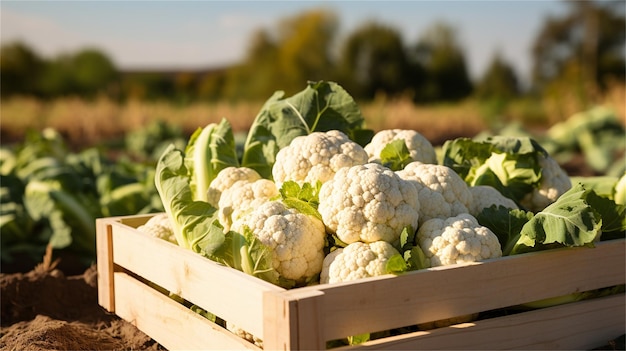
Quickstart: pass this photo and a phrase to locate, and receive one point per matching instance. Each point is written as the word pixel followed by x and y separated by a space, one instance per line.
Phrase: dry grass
pixel 437 122
pixel 92 122
pixel 89 122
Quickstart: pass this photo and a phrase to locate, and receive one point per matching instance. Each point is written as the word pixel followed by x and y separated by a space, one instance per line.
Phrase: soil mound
pixel 45 310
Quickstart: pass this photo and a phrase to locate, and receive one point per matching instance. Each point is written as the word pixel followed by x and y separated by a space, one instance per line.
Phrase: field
pixel 39 323
pixel 102 120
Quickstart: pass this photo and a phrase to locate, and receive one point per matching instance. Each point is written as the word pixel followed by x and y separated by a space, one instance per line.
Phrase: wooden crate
pixel 305 318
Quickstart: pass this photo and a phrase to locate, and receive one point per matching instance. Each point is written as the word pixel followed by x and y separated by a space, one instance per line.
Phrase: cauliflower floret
pixel 356 261
pixel 368 203
pixel 442 192
pixel 317 156
pixel 296 240
pixel 457 240
pixel 159 226
pixel 244 334
pixel 419 147
pixel 485 196
pixel 227 178
pixel 554 183
pixel 242 197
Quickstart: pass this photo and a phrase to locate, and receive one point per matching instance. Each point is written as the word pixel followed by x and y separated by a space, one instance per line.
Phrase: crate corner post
pixel 105 266
pixel 292 320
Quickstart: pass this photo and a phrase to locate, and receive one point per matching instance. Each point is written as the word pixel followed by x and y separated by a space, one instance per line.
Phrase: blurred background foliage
pixel 579 54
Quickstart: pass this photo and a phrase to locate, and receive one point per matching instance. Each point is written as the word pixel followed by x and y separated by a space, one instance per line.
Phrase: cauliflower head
pixel 368 203
pixel 356 261
pixel 227 178
pixel 485 196
pixel 419 147
pixel 457 240
pixel 244 334
pixel 317 156
pixel 296 240
pixel 159 226
pixel 442 192
pixel 554 183
pixel 242 197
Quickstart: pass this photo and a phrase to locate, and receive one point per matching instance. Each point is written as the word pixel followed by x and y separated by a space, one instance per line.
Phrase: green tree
pixel 56 77
pixel 373 59
pixel 285 57
pixel 581 50
pixel 257 76
pixel 443 60
pixel 92 72
pixel 20 69
pixel 304 48
pixel 499 81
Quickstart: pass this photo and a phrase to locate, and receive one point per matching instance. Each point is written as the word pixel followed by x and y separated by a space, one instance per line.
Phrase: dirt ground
pixel 45 310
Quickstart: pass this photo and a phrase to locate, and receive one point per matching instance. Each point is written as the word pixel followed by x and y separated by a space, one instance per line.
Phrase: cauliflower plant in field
pixel 485 196
pixel 296 240
pixel 368 203
pixel 419 147
pixel 356 261
pixel 242 197
pixel 457 240
pixel 442 192
pixel 316 157
pixel 226 178
pixel 554 182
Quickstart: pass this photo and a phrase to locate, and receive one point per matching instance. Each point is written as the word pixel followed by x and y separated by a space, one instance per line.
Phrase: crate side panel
pixel 582 325
pixel 228 293
pixel 387 302
pixel 169 323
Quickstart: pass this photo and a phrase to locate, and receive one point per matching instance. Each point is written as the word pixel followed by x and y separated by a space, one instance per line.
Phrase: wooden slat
pixel 582 325
pixel 106 297
pixel 228 293
pixel 168 322
pixel 388 302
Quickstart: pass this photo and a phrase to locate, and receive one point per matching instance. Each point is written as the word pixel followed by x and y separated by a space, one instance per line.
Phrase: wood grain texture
pixel 168 322
pixel 305 318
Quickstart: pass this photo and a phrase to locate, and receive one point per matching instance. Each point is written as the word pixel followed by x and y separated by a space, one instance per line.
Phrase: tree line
pixel 582 51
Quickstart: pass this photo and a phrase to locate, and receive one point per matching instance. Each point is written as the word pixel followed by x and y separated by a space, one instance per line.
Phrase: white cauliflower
pixel 244 334
pixel 554 183
pixel 317 156
pixel 419 147
pixel 356 261
pixel 457 240
pixel 226 178
pixel 368 203
pixel 296 240
pixel 442 192
pixel 485 196
pixel 242 197
pixel 159 226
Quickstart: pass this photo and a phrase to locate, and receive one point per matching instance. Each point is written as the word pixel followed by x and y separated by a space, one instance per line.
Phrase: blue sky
pixel 198 34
